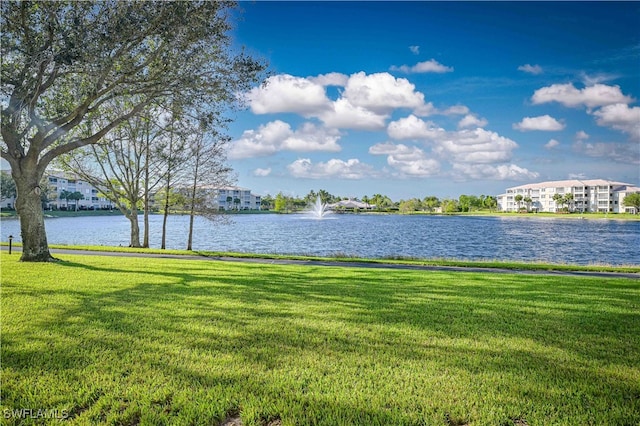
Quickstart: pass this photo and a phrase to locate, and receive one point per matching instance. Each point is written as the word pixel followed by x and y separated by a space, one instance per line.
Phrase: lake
pixel 530 238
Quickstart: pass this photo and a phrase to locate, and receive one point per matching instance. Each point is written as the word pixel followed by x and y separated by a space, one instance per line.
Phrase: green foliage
pixel 7 186
pixel 632 200
pixel 165 341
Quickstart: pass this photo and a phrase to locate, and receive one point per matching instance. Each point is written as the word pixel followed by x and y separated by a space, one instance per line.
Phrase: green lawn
pixel 104 340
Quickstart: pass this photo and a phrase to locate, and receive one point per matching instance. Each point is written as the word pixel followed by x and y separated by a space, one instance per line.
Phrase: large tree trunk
pixel 29 207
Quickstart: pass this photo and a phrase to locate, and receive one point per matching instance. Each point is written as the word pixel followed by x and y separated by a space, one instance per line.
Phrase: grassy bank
pixel 496 264
pixel 105 340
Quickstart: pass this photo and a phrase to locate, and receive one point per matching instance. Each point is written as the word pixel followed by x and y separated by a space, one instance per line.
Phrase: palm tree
pixel 528 200
pixel 66 195
pixel 229 201
pixel 567 199
pixel 518 198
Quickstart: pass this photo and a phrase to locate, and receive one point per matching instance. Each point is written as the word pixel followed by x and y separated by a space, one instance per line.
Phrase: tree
pixel 450 206
pixel 431 203
pixel 267 202
pixel 65 62
pixel 207 172
pixel 568 200
pixel 280 203
pixel 65 195
pixel 75 196
pixel 518 199
pixel 490 202
pixel 632 200
pixel 559 199
pixel 528 202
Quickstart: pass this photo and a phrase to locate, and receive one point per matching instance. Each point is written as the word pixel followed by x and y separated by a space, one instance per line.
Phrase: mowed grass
pixel 109 340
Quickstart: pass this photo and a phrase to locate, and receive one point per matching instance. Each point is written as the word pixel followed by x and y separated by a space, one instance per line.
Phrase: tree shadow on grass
pixel 277 339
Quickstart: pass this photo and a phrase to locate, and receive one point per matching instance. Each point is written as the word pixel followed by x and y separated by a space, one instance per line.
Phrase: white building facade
pixel 236 198
pixel 595 195
pixel 91 197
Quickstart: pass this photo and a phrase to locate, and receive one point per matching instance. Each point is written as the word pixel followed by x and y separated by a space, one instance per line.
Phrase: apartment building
pixel 236 198
pixel 91 198
pixel 595 195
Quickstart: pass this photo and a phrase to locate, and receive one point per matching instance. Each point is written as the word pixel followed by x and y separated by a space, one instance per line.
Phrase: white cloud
pixel 477 146
pixel 415 49
pixel 381 92
pixel 543 122
pixel 344 115
pixel 412 127
pixel 590 80
pixel 409 161
pixel 456 110
pixel 334 168
pixel 551 144
pixel 330 79
pixel 531 69
pixel 462 146
pixel 582 135
pixel 423 67
pixel 620 117
pixel 591 96
pixel 286 93
pixel 619 152
pixel 500 172
pixel 471 120
pixel 262 172
pixel 278 136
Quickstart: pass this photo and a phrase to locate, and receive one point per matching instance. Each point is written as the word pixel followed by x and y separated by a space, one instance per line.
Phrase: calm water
pixel 375 236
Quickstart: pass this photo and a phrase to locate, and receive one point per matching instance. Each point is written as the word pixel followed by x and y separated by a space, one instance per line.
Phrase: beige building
pixel 594 195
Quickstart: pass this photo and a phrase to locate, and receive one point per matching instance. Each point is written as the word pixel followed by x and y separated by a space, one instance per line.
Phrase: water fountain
pixel 319 209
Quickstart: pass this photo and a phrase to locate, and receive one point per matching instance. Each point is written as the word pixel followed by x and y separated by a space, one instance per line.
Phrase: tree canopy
pixel 65 63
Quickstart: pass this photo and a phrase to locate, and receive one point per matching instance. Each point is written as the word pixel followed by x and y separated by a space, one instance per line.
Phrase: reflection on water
pixel 509 238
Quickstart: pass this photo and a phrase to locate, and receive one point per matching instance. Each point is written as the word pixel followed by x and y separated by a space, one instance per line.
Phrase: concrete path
pixel 17 251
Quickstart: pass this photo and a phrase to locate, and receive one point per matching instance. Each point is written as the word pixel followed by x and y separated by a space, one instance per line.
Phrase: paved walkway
pixel 354 264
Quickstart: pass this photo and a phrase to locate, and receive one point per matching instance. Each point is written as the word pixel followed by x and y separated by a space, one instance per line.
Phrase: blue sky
pixel 410 99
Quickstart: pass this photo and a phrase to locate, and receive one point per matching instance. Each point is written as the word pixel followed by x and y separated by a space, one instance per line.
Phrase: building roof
pixel 351 204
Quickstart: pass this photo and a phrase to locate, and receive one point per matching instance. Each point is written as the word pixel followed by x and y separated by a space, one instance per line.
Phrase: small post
pixel 10 242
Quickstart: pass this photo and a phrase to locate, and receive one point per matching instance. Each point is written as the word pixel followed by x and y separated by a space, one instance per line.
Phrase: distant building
pixel 62 181
pixel 351 205
pixel 236 198
pixel 595 195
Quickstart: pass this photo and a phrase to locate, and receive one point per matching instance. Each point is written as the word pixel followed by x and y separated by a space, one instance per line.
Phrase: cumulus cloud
pixel 278 136
pixel 409 161
pixel 334 168
pixel 592 96
pixel 471 120
pixel 286 93
pixel 330 79
pixel 620 117
pixel 381 92
pixel 499 172
pixel 551 144
pixel 415 49
pixel 262 172
pixel 344 115
pixel 478 146
pixel 423 67
pixel 543 122
pixel 530 69
pixel 413 127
